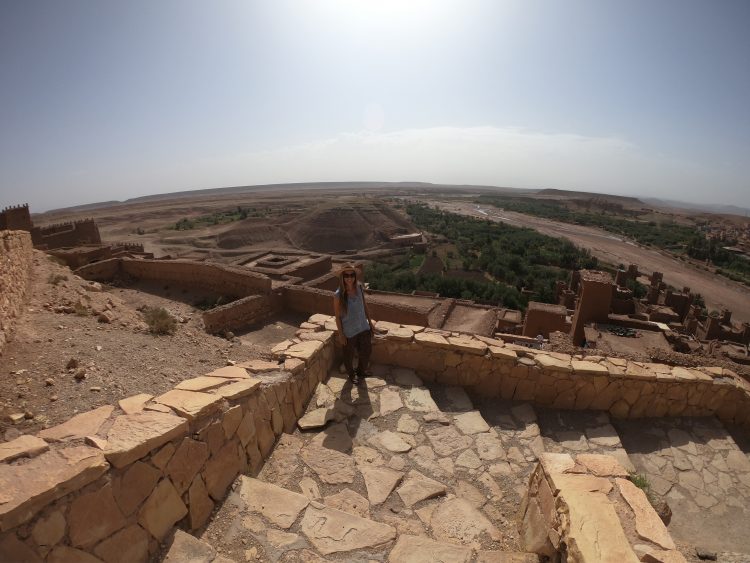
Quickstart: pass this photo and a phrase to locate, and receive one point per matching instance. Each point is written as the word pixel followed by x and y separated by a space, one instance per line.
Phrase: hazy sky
pixel 105 100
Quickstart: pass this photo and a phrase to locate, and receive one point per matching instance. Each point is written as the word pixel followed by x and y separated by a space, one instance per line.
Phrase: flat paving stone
pixel 380 482
pixel 418 399
pixel 333 467
pixel 471 423
pixel 332 531
pixel 280 506
pixel 447 441
pixel 418 487
pixel 457 520
pixel 418 549
pixel 390 401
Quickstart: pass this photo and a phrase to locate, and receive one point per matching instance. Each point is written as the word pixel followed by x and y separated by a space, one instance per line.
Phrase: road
pixel 717 291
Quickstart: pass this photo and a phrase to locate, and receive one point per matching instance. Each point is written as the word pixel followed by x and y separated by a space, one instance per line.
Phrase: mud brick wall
pixel 113 483
pixel 308 299
pixel 242 313
pixel 15 269
pixel 102 271
pixel 573 503
pixel 624 388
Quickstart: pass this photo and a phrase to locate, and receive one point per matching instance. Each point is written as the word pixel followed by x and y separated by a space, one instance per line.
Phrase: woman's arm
pixel 337 314
pixel 367 311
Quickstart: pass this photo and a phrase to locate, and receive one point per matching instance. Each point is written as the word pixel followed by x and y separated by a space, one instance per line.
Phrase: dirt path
pixel 718 292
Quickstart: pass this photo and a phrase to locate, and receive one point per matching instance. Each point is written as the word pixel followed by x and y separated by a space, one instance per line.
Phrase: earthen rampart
pixel 15 269
pixel 112 483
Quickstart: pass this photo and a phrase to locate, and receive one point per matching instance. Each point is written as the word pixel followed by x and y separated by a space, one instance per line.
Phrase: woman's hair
pixel 343 301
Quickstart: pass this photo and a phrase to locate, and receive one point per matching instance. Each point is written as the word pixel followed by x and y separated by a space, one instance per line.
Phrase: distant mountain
pixel 721 209
pixel 85 207
pixel 588 195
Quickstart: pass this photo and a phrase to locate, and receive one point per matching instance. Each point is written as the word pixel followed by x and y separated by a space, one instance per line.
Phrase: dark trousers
pixel 362 343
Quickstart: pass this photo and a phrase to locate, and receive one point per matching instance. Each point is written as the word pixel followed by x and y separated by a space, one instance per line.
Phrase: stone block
pixel 200 503
pixel 23 446
pixel 129 545
pixel 213 435
pixel 78 427
pixel 431 339
pixel 163 509
pixel 221 470
pixel 13 549
pixel 49 530
pixel 65 554
pixel 93 517
pixel 27 488
pixel 238 389
pixel 132 436
pixel 467 345
pixel 134 404
pixel 187 549
pixel 584 367
pixel 186 462
pixel 229 372
pixel 231 420
pixel 202 383
pixel 161 458
pixel 190 404
pixel 246 429
pixel 135 486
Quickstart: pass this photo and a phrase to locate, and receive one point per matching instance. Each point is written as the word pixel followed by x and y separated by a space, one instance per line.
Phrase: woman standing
pixel 354 323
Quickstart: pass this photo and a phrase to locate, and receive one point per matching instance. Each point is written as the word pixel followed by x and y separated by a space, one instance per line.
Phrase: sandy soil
pixel 718 292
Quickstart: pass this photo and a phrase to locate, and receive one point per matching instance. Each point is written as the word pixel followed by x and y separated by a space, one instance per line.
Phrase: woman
pixel 353 321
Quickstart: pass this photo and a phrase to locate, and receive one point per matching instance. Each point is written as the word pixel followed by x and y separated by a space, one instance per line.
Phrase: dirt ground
pixel 60 326
pixel 718 292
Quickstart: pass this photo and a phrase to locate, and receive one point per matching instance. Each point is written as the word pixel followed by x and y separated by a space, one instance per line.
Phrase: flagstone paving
pixel 381 470
pixel 697 467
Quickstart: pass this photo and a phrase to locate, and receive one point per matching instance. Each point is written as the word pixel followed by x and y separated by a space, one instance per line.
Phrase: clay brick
pixel 135 486
pixel 93 517
pixel 186 462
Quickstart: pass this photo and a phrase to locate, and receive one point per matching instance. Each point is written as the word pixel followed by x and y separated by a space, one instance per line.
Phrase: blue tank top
pixel 355 320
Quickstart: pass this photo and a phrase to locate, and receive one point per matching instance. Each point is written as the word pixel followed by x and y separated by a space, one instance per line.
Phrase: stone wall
pixel 587 508
pixel 217 278
pixel 112 483
pixel 242 313
pixel 15 269
pixel 626 389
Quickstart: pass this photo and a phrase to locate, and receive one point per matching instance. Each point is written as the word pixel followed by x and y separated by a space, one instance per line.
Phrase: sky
pixel 103 100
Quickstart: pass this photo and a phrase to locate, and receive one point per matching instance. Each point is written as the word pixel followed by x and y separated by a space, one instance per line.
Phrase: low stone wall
pixel 626 389
pixel 586 508
pixel 218 278
pixel 242 313
pixel 111 484
pixel 15 268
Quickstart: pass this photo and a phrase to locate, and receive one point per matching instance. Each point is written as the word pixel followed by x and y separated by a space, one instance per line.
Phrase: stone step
pixel 576 432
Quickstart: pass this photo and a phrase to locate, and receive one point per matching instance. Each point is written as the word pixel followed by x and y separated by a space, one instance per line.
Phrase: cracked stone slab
pixel 332 466
pixel 471 423
pixel 458 520
pixel 458 398
pixel 78 427
pixel 648 525
pixel 333 531
pixel 392 441
pixel 390 401
pixel 447 441
pixel 280 506
pixel 335 437
pixel 380 482
pixel 316 418
pixel 25 445
pixel 419 399
pixel 418 487
pixel 406 377
pixel 418 549
pixel 350 502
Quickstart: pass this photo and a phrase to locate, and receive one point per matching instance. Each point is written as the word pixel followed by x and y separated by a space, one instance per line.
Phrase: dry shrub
pixel 159 320
pixel 54 279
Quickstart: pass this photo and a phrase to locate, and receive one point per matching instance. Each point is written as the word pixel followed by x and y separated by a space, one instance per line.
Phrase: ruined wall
pixel 67 234
pixel 102 271
pixel 626 389
pixel 15 269
pixel 114 483
pixel 242 313
pixel 572 503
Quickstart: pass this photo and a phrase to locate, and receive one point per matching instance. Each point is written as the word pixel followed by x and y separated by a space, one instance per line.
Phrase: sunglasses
pixel 349 275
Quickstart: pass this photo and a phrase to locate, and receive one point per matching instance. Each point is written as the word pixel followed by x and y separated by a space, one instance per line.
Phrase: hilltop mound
pixel 247 233
pixel 345 226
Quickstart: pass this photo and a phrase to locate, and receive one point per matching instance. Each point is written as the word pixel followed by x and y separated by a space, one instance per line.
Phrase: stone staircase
pixel 387 471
